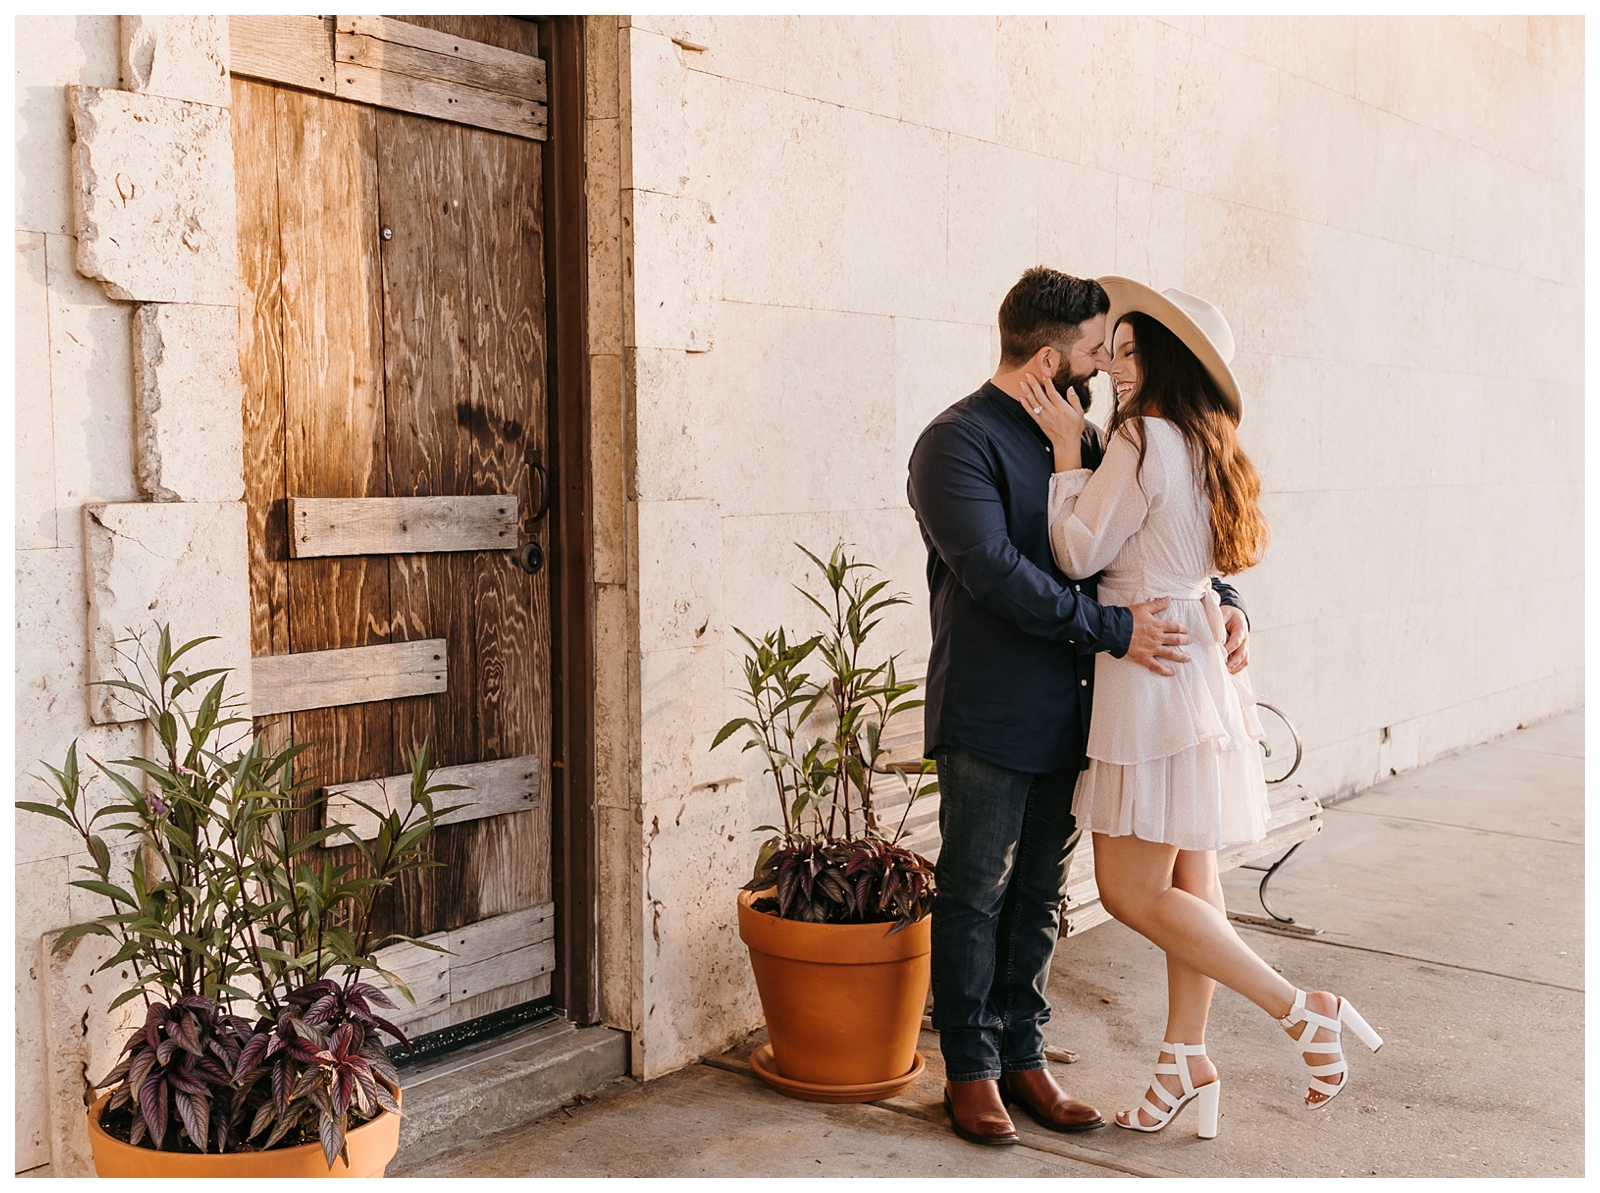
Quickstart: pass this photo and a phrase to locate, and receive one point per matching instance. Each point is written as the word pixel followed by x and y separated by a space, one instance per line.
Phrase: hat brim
pixel 1127 295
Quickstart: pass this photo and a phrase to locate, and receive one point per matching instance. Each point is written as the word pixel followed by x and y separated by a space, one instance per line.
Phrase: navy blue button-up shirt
pixel 1011 672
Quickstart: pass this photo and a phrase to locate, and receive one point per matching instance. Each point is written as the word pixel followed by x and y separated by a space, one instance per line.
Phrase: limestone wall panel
pixel 1078 218
pixel 994 226
pixel 34 444
pixel 680 567
pixel 152 195
pixel 749 49
pixel 845 60
pixel 1035 107
pixel 172 563
pixel 1118 94
pixel 91 386
pixel 1321 50
pixel 176 57
pixel 188 419
pixel 52 51
pixel 897 217
pixel 947 73
pixel 653 157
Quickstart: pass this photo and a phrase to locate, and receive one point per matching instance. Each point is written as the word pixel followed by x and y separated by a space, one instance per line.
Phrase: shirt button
pixel 1077 588
pixel 1083 683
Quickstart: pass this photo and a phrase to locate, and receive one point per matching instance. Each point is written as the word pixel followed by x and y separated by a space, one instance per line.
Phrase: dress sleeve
pixel 1093 513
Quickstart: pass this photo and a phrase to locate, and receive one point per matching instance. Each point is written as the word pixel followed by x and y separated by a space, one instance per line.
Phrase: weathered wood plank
pixel 500 934
pixel 261 361
pixel 352 675
pixel 520 965
pixel 402 525
pixel 333 407
pixel 504 222
pixel 426 973
pixel 502 951
pixel 426 313
pixel 283 49
pixel 408 49
pixel 494 789
pixel 455 102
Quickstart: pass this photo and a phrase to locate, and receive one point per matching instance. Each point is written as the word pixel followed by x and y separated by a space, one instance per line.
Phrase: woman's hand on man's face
pixel 1061 419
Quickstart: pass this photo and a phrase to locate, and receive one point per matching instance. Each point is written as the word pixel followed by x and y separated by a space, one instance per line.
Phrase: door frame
pixel 574 985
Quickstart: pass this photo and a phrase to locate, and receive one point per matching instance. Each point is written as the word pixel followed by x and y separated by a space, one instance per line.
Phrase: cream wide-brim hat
pixel 1195 321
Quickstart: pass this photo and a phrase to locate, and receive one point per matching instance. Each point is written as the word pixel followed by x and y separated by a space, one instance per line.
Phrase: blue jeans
pixel 1006 843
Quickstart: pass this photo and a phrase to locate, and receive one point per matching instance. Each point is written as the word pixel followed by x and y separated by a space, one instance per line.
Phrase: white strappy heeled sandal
pixel 1210 1094
pixel 1306 1042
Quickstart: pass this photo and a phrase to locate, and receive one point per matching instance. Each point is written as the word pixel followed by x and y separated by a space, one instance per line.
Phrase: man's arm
pixel 1237 621
pixel 1229 595
pixel 955 496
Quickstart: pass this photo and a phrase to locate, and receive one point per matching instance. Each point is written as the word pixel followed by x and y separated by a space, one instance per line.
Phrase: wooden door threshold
pixel 504 1082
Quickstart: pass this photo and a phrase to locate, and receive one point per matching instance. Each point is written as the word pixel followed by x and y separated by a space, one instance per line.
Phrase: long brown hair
pixel 1175 386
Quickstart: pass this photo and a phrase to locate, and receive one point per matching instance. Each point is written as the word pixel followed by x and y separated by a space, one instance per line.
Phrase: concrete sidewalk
pixel 1451 904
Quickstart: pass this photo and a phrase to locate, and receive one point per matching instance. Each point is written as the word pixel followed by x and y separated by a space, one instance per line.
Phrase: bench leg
pixel 1261 891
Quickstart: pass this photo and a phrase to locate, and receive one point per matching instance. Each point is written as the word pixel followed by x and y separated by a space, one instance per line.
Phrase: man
pixel 1010 679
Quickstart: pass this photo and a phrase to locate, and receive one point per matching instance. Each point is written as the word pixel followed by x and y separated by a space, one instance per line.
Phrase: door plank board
pixel 283 49
pixel 333 408
pixel 455 102
pixel 422 53
pixel 426 973
pixel 426 377
pixel 501 934
pixel 402 525
pixel 504 204
pixel 321 679
pixel 519 965
pixel 493 789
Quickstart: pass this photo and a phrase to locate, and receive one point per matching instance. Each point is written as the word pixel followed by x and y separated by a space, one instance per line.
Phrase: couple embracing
pixel 1066 567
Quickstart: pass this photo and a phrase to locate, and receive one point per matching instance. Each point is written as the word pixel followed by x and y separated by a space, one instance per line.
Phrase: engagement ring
pixel 1038 409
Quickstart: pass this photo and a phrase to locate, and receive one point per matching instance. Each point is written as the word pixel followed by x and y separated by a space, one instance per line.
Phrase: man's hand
pixel 1237 646
pixel 1156 638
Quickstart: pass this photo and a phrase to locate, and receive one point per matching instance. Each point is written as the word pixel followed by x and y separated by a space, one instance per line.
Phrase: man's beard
pixel 1080 386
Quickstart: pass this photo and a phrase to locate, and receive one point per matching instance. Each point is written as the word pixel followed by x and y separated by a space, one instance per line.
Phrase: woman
pixel 1174 761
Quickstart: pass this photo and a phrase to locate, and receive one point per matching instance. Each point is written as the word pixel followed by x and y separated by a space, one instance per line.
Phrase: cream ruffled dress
pixel 1175 758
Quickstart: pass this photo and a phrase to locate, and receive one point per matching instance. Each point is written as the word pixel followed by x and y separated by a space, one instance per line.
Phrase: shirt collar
pixel 1013 410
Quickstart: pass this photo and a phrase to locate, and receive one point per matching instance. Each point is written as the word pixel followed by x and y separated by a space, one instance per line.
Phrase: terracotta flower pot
pixel 843 1003
pixel 371 1145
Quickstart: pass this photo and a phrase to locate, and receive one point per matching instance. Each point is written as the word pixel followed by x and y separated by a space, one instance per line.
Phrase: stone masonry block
pixel 674 252
pixel 82 1039
pixel 188 423
pixel 152 197
pixel 178 57
pixel 184 564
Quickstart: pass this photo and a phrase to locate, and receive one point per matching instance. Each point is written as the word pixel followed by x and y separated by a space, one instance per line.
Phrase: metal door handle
pixel 543 507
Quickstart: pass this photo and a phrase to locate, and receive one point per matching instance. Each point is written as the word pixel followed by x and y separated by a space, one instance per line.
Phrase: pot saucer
pixel 766 1069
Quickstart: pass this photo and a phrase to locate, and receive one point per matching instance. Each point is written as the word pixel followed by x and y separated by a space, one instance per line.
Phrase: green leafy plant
pixel 245 940
pixel 833 858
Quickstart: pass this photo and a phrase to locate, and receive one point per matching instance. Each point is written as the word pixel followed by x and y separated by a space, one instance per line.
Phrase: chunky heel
pixel 1364 1033
pixel 1208 1095
pixel 1210 1109
pixel 1307 1042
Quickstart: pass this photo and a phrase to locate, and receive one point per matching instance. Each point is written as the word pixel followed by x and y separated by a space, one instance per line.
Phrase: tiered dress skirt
pixel 1175 759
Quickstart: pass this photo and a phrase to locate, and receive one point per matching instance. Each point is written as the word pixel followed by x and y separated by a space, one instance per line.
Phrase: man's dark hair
pixel 1044 309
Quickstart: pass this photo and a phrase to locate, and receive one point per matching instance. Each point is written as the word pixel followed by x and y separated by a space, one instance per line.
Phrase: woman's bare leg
pixel 1188 990
pixel 1135 879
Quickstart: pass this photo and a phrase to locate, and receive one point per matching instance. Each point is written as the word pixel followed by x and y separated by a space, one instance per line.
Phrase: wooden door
pixel 393 346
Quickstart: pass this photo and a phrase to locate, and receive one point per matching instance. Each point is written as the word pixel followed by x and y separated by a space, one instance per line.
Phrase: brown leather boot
pixel 1041 1097
pixel 977 1113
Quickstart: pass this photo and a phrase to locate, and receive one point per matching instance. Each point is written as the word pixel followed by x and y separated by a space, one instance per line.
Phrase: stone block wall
pixel 128 463
pixel 1388 210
